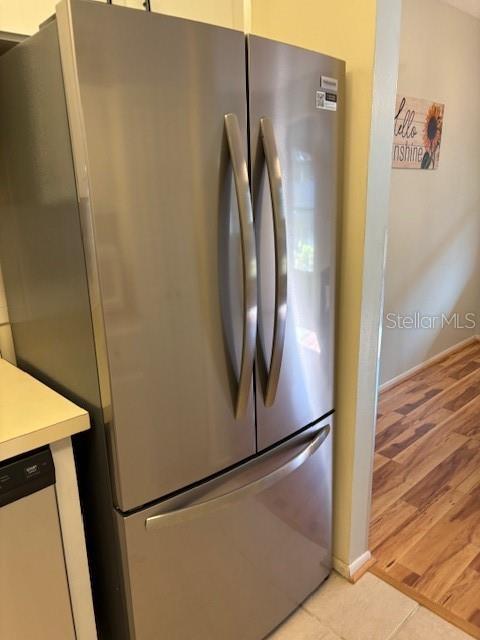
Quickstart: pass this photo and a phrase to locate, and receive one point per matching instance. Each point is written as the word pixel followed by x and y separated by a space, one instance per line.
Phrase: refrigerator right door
pixel 295 108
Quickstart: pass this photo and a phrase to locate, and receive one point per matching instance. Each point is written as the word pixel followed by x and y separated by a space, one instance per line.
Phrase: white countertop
pixel 32 415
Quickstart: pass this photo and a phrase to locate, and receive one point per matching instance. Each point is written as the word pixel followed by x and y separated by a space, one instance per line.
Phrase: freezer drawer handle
pixel 280 235
pixel 249 261
pixel 186 514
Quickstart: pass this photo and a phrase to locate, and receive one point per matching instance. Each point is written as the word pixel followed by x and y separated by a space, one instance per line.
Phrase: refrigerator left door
pixel 165 240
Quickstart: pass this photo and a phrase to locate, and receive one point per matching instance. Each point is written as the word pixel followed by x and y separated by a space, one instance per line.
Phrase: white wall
pixel 433 256
pixel 387 44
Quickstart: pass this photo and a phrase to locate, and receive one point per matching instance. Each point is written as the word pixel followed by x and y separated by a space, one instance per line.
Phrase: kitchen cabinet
pixel 24 16
pixel 131 4
pixel 224 13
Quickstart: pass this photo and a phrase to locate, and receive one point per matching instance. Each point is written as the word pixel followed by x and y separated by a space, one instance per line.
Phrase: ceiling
pixel 468 6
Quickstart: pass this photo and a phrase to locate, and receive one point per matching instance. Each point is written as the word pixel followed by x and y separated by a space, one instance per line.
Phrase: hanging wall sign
pixel 417 134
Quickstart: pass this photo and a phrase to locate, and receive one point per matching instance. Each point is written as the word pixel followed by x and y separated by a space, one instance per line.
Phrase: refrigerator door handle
pixel 249 260
pixel 185 514
pixel 274 171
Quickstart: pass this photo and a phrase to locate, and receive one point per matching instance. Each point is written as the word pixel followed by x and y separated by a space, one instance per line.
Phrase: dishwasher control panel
pixel 25 474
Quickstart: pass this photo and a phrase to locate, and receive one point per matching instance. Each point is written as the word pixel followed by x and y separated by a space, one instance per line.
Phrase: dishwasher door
pixel 34 594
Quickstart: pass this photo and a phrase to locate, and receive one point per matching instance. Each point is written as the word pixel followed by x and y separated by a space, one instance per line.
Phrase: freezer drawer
pixel 233 557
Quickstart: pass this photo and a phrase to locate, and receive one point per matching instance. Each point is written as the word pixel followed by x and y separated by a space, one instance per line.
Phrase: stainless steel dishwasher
pixel 34 595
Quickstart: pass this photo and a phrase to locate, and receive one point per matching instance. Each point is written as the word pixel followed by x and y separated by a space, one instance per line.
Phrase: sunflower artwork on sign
pixel 432 134
pixel 417 133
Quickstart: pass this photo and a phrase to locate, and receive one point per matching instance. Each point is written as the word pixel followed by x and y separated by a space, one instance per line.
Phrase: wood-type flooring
pixel 425 526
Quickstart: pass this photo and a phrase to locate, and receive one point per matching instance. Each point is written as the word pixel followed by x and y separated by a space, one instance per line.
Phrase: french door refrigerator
pixel 168 248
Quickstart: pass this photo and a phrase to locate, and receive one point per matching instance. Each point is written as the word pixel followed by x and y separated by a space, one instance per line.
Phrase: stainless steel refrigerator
pixel 168 228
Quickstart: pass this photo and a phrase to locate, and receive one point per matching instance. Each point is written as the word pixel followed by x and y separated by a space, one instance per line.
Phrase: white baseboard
pixel 426 363
pixel 348 571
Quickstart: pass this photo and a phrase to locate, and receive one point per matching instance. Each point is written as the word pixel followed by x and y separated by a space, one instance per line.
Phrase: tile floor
pixel 368 610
